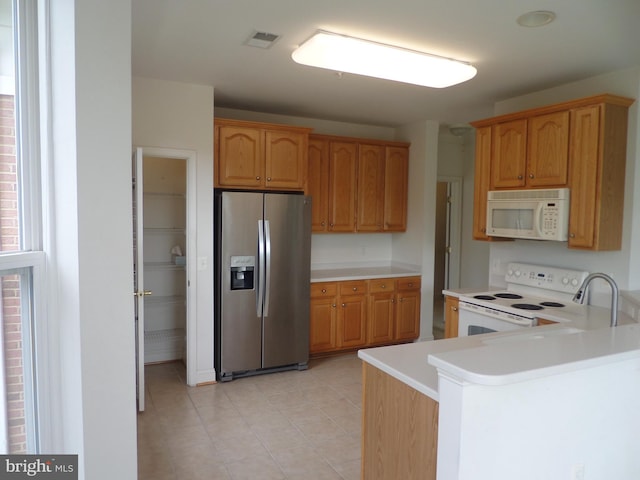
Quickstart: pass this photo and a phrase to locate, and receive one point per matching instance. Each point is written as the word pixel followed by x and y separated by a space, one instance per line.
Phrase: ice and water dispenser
pixel 242 268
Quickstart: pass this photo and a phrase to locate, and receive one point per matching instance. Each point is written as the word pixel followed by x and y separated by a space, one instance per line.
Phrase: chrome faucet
pixel 582 292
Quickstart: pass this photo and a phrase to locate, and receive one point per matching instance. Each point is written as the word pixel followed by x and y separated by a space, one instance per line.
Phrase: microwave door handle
pixel 537 224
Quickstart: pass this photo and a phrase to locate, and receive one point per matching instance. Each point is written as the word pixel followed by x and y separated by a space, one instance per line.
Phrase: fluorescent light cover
pixel 363 57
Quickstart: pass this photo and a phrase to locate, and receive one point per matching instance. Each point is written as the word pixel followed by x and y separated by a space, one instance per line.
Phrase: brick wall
pixel 10 284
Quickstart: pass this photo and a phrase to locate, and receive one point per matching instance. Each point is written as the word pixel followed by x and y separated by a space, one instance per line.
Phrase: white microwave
pixel 533 214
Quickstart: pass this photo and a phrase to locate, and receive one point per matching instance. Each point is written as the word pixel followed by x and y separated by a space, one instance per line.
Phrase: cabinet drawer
pixel 378 285
pixel 323 290
pixel 409 283
pixel 354 287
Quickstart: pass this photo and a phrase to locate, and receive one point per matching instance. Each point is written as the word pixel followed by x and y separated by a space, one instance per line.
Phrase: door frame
pixel 191 235
pixel 455 228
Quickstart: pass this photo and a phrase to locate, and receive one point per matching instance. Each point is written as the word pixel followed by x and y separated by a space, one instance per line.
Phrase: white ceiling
pixel 202 42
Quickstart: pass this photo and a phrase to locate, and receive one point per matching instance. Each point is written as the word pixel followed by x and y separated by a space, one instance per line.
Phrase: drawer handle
pixel 355 289
pixel 383 286
pixel 410 284
pixel 324 290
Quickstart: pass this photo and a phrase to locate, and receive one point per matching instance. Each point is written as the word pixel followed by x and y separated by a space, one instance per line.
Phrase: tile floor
pixel 287 425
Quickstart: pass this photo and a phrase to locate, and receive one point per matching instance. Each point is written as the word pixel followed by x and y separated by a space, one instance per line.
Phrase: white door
pixel 138 272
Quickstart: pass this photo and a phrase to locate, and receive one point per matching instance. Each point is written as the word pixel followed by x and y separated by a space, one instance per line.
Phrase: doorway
pixel 163 218
pixel 447 246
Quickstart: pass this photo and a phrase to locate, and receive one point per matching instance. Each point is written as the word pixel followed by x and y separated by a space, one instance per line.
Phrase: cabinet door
pixel 451 317
pixel 240 159
pixel 343 160
pixel 323 322
pixel 396 178
pixel 584 160
pixel 407 325
pixel 508 163
pixel 481 182
pixel 548 150
pixel 318 183
pixel 285 159
pixel 371 183
pixel 352 321
pixel 381 312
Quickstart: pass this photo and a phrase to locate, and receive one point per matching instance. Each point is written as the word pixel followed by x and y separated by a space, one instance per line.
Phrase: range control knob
pixel 518 273
pixel 574 282
pixel 565 281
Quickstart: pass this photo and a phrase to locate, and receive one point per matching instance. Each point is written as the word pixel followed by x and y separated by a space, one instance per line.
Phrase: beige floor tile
pixel 253 468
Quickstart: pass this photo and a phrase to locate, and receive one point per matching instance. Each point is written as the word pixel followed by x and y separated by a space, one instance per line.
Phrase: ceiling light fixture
pixel 536 19
pixel 363 57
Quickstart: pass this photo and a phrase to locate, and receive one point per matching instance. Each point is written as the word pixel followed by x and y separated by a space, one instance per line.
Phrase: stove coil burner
pixel 551 304
pixel 509 296
pixel 484 297
pixel 527 306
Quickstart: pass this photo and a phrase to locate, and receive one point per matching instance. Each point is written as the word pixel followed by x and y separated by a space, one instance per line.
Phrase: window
pixel 20 244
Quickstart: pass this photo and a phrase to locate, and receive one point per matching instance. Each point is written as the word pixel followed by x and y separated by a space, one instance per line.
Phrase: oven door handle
pixel 491 313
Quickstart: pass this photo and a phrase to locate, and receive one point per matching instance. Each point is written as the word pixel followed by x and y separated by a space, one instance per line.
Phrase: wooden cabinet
pixel 408 309
pixel 352 314
pixel 598 158
pixel 318 184
pixel 399 429
pixel 382 311
pixel 580 144
pixel 254 155
pixel 343 171
pixel 360 185
pixel 323 317
pixel 450 317
pixel 544 321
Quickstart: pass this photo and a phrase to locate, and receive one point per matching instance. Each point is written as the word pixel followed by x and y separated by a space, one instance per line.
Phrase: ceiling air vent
pixel 262 39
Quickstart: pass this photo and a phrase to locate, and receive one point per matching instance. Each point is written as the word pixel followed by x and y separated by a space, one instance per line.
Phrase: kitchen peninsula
pixel 536 403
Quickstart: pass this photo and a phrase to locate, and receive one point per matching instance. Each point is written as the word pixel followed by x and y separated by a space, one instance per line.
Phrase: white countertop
pixel 487 359
pixel 360 272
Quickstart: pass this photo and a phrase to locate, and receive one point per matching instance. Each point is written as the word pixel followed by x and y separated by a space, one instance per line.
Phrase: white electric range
pixel 532 290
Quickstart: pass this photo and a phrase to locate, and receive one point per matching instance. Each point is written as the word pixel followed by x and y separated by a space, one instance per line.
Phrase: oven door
pixel 475 319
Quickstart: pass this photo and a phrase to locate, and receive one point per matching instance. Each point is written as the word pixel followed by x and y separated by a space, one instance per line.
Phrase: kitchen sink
pixel 534 335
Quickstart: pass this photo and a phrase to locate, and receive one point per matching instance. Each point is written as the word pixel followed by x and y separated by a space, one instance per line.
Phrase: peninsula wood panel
pixel 451 315
pixel 399 429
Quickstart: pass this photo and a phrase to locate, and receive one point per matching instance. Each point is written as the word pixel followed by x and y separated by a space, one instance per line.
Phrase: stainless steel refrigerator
pixel 262 275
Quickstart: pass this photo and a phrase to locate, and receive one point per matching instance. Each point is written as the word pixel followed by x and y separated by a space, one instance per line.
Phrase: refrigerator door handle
pixel 261 268
pixel 267 270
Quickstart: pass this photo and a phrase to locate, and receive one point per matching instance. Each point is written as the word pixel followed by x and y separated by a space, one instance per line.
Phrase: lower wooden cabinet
pixel 353 314
pixel 399 429
pixel 450 317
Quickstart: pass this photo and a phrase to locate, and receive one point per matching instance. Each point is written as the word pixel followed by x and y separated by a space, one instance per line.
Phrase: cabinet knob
pixel 572 235
pixel 455 309
pixel 383 286
pixel 258 178
pixel 355 289
pixel 519 177
pixel 410 284
pixel 531 175
pixel 324 290
pixel 323 223
pixel 333 305
pixel 268 179
pixel 344 304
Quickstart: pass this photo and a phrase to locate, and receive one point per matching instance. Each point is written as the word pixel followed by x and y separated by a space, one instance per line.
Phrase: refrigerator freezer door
pixel 240 324
pixel 286 324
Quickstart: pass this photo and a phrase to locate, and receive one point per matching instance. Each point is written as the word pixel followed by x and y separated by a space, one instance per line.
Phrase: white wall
pixel 180 116
pixel 623 264
pixel 88 235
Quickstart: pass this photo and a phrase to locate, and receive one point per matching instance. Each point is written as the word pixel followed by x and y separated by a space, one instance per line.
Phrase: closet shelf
pixel 166 300
pixel 162 266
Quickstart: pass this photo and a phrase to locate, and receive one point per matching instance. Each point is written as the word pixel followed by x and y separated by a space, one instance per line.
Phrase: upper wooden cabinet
pixel 579 144
pixel 357 185
pixel 254 155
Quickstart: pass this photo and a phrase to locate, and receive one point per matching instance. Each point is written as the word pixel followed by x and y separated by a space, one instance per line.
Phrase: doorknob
pixel 144 293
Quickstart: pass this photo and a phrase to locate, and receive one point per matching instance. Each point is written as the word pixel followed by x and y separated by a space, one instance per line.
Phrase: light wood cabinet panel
pixel 259 156
pixel 318 184
pixel 451 317
pixel 352 318
pixel 285 159
pixel 548 150
pixel 343 162
pixel 399 429
pixel 597 170
pixel 396 178
pixel 509 155
pixel 382 311
pixel 408 309
pixel 371 183
pixel 323 319
pixel 481 182
pixel 240 158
